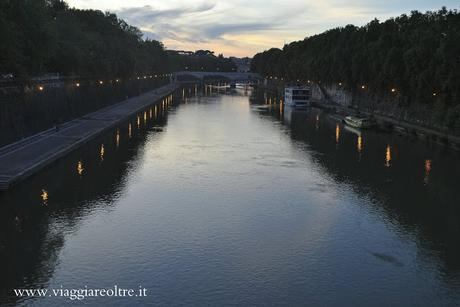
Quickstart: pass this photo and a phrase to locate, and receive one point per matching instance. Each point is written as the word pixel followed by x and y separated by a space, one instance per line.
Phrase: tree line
pixel 47 36
pixel 415 57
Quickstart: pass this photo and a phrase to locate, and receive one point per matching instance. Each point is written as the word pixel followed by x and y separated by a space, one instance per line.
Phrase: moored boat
pixel 359 122
pixel 297 96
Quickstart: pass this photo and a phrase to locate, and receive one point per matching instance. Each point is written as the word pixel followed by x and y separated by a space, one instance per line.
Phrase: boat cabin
pixel 297 95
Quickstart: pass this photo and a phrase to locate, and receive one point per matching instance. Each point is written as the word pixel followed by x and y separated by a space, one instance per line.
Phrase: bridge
pixel 231 77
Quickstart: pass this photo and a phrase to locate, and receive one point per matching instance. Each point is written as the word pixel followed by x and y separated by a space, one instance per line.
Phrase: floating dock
pixel 24 158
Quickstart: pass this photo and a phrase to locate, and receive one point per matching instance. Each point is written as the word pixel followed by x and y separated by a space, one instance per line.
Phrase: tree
pixel 418 54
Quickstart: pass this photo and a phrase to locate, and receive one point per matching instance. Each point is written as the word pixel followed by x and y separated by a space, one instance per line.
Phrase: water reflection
pixel 359 144
pixel 388 156
pixel 337 133
pixel 102 152
pixel 44 197
pixel 205 193
pixel 31 236
pixel 423 204
pixel 427 171
pixel 80 168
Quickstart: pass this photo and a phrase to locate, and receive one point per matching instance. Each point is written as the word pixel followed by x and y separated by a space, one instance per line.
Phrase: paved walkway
pixel 26 157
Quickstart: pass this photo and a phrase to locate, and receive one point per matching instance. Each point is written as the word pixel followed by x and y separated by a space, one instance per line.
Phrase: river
pixel 230 199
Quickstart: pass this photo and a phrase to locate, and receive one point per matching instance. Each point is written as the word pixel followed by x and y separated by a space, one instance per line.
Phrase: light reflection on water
pixel 44 197
pixel 388 156
pixel 102 152
pixel 359 144
pixel 80 168
pixel 337 133
pixel 223 201
pixel 427 171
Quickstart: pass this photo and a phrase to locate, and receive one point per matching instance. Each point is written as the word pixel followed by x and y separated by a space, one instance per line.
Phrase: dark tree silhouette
pixel 43 36
pixel 417 54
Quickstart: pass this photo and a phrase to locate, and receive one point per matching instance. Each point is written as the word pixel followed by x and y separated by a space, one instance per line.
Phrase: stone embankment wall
pixel 391 106
pixel 26 111
pixel 333 94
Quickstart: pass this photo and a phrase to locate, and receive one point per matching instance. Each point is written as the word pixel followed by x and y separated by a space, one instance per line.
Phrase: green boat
pixel 359 122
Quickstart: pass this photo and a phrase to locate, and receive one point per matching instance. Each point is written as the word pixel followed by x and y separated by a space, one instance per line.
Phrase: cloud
pixel 206 25
pixel 241 27
pixel 149 13
pixel 217 31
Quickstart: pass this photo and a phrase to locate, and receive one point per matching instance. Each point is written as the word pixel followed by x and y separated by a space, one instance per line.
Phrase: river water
pixel 230 199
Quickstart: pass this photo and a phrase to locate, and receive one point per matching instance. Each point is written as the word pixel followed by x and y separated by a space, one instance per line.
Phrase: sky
pixel 243 28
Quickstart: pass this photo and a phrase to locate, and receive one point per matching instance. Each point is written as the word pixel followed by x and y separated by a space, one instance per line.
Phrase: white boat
pixel 297 96
pixel 219 86
pixel 242 85
pixel 353 130
pixel 359 122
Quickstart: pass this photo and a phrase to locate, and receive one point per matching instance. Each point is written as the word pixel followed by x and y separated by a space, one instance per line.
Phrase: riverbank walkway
pixel 23 158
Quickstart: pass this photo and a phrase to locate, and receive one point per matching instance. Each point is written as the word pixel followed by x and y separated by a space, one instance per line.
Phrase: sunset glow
pixel 241 28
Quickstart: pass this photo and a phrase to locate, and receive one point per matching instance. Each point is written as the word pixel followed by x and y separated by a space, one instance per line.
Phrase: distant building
pixel 183 52
pixel 194 53
pixel 242 64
